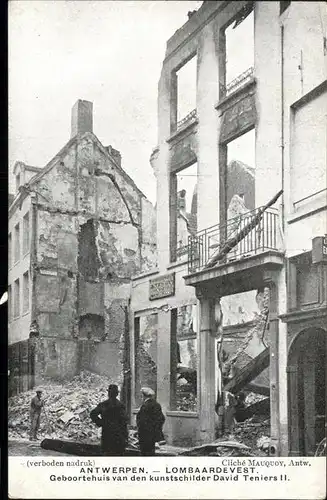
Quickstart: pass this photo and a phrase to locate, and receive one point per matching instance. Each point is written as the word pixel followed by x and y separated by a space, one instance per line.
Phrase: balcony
pixel 238 82
pixel 187 119
pixel 244 236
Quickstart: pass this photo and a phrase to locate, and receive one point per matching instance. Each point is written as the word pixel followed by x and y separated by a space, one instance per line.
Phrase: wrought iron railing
pixel 237 83
pixel 188 118
pixel 181 251
pixel 206 244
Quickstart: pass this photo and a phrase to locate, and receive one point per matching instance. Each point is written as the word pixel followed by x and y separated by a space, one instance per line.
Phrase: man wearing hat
pixel 150 420
pixel 35 413
pixel 111 416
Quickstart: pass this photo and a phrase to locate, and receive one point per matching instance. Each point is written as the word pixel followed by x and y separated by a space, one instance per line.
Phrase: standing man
pixel 150 420
pixel 111 416
pixel 35 413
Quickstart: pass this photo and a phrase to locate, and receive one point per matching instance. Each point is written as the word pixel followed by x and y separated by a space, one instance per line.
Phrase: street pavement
pixel 30 448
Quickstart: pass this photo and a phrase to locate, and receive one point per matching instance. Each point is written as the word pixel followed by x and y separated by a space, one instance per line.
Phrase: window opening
pixel 17 243
pixel 26 233
pixel 186 92
pixel 145 331
pixel 239 198
pixel 184 358
pixel 240 182
pixel 185 213
pixel 16 298
pixel 239 42
pixel 26 292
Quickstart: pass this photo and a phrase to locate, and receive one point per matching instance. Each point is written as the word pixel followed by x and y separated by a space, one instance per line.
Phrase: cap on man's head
pixel 147 392
pixel 113 389
pixel 38 390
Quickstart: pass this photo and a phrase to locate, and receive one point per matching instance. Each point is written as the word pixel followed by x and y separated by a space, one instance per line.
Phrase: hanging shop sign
pixel 164 286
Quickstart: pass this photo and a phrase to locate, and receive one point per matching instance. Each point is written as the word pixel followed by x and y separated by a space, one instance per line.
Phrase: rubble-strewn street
pixel 66 412
pixel 66 416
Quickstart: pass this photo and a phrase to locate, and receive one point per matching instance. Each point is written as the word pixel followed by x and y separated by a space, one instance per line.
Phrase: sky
pixel 107 52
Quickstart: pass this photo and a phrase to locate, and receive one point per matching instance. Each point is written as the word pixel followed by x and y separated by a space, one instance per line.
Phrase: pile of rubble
pixel 67 409
pixel 185 399
pixel 254 432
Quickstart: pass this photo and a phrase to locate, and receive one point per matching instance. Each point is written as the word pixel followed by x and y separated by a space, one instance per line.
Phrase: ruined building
pixel 238 280
pixel 79 229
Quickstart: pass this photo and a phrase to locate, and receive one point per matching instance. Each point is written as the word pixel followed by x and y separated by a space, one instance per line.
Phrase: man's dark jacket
pixel 150 420
pixel 114 425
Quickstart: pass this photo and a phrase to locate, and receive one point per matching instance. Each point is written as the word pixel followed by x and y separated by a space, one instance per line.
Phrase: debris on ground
pixel 133 441
pixel 67 417
pixel 67 409
pixel 185 399
pixel 254 432
pixel 263 443
pixel 220 447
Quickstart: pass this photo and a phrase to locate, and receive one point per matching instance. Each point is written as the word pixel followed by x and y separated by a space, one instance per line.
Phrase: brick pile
pixel 67 409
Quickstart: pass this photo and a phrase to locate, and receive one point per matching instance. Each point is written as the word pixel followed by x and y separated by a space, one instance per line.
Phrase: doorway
pixel 306 391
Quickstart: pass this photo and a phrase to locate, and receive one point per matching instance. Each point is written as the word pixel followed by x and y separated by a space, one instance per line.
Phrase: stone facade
pixel 282 103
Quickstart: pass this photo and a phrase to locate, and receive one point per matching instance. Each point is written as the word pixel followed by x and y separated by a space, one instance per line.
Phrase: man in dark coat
pixel 35 414
pixel 111 416
pixel 150 420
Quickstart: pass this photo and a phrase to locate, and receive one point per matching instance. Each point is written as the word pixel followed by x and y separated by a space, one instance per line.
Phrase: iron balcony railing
pixel 237 83
pixel 181 250
pixel 188 118
pixel 206 244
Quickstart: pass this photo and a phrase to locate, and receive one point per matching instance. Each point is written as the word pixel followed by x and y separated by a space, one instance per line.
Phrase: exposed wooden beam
pixel 249 372
pixel 258 389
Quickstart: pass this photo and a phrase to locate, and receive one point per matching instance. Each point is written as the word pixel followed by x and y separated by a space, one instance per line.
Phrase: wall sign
pixel 319 249
pixel 164 286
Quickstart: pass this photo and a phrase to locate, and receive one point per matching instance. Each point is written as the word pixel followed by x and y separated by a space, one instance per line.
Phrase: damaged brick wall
pixel 88 261
pixel 94 232
pixel 55 358
pixel 55 274
pixel 119 252
pixel 91 324
pixel 149 236
pixel 101 358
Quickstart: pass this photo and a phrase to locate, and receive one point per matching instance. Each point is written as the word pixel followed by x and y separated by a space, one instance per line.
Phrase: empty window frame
pixel 26 292
pixel 183 359
pixel 26 233
pixel 237 185
pixel 16 299
pixel 239 51
pixel 240 175
pixel 145 342
pixel 186 91
pixel 183 216
pixel 17 243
